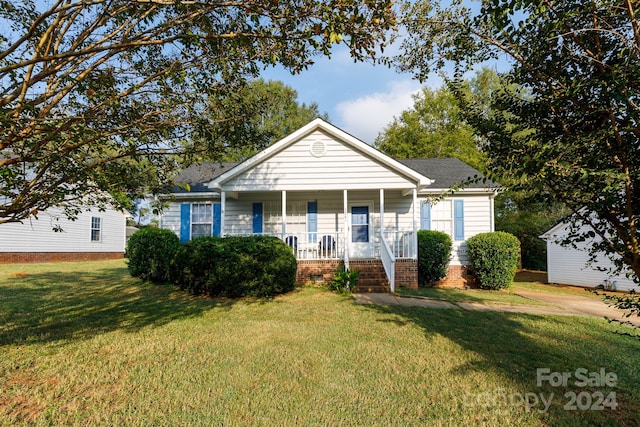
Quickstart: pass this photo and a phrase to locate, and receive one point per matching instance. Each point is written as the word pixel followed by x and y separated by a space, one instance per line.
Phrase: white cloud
pixel 366 116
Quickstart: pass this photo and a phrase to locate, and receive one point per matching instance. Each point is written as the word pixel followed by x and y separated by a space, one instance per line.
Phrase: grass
pixel 528 281
pixel 455 295
pixel 85 344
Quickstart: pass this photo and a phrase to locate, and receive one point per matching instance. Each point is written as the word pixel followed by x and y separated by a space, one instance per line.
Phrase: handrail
pixel 388 261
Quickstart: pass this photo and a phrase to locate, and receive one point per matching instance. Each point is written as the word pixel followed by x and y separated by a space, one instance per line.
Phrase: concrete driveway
pixel 558 304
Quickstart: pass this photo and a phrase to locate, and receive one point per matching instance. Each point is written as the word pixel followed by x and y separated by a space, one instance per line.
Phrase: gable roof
pixel 448 172
pixel 344 137
pixel 429 174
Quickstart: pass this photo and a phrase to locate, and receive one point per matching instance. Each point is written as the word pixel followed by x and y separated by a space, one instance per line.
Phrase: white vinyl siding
pixel 398 214
pixel 477 219
pixel 297 169
pixel 568 265
pixel 38 235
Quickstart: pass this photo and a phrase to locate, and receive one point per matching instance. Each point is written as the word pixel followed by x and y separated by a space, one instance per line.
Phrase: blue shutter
pixel 217 219
pixel 257 218
pixel 458 219
pixel 185 222
pixel 425 216
pixel 312 221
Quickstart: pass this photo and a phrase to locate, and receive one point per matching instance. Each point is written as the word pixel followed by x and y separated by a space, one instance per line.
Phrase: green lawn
pixel 454 295
pixel 85 344
pixel 525 281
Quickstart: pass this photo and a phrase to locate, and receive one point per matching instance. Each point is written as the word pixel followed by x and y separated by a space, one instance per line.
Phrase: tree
pixel 94 93
pixel 435 126
pixel 269 111
pixel 572 131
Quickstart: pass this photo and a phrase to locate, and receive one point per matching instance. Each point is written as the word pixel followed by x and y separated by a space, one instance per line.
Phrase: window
pixel 442 217
pixel 96 229
pixel 360 224
pixel 446 216
pixel 201 219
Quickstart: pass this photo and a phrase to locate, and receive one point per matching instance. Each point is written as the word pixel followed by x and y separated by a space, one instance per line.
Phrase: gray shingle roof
pixel 198 175
pixel 447 172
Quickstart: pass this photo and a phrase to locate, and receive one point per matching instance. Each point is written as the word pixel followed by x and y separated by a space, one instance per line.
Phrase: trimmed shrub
pixel 434 253
pixel 494 258
pixel 195 266
pixel 150 251
pixel 259 266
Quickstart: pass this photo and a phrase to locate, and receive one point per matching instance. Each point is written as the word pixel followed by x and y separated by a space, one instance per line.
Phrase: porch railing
pixel 331 245
pixel 402 244
pixel 388 261
pixel 316 245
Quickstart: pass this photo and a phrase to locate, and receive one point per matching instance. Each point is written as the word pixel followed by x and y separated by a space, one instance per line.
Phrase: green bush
pixel 197 265
pixel 344 281
pixel 257 266
pixel 434 253
pixel 149 252
pixel 494 258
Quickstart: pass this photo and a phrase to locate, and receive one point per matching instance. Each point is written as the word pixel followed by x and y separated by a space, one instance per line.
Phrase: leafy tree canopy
pixel 96 96
pixel 267 112
pixel 572 129
pixel 435 126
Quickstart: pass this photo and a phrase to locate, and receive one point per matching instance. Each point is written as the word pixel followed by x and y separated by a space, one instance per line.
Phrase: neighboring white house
pixel 567 265
pixel 93 235
pixel 335 199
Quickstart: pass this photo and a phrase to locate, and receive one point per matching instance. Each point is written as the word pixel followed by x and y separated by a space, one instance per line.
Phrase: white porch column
pixel 415 223
pixel 284 214
pixel 346 228
pixel 382 212
pixel 223 208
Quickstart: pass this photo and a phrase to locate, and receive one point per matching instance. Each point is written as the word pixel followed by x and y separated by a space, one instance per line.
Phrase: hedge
pixel 494 258
pixel 434 254
pixel 149 252
pixel 259 266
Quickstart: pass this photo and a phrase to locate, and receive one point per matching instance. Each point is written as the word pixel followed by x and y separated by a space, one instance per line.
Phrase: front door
pixel 361 235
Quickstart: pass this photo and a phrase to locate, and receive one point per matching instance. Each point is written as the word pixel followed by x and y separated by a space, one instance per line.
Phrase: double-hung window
pixel 201 219
pixel 96 229
pixel 446 216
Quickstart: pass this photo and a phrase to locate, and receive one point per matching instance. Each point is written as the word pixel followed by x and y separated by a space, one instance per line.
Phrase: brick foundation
pixel 33 257
pixel 458 276
pixel 316 271
pixel 406 273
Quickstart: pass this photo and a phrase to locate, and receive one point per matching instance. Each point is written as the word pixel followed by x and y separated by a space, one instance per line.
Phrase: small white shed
pixel 567 265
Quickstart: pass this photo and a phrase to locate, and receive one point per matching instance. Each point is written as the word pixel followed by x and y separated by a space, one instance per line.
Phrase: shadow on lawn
pixel 515 345
pixel 52 306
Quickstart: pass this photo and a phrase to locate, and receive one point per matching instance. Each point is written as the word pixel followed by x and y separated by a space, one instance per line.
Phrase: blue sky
pixel 359 98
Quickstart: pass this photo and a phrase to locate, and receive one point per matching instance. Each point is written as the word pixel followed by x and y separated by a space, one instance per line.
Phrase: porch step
pixel 372 276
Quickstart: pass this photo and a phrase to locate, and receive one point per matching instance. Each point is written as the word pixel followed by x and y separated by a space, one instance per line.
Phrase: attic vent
pixel 318 149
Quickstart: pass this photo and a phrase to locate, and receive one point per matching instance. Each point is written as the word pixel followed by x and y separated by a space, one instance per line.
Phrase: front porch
pixel 392 260
pixel 326 229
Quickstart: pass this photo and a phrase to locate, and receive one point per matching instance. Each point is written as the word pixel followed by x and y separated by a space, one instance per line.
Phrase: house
pixel 51 236
pixel 335 199
pixel 569 265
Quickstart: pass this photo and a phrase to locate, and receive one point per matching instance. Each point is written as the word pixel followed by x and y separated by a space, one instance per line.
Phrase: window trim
pixel 209 217
pixel 97 229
